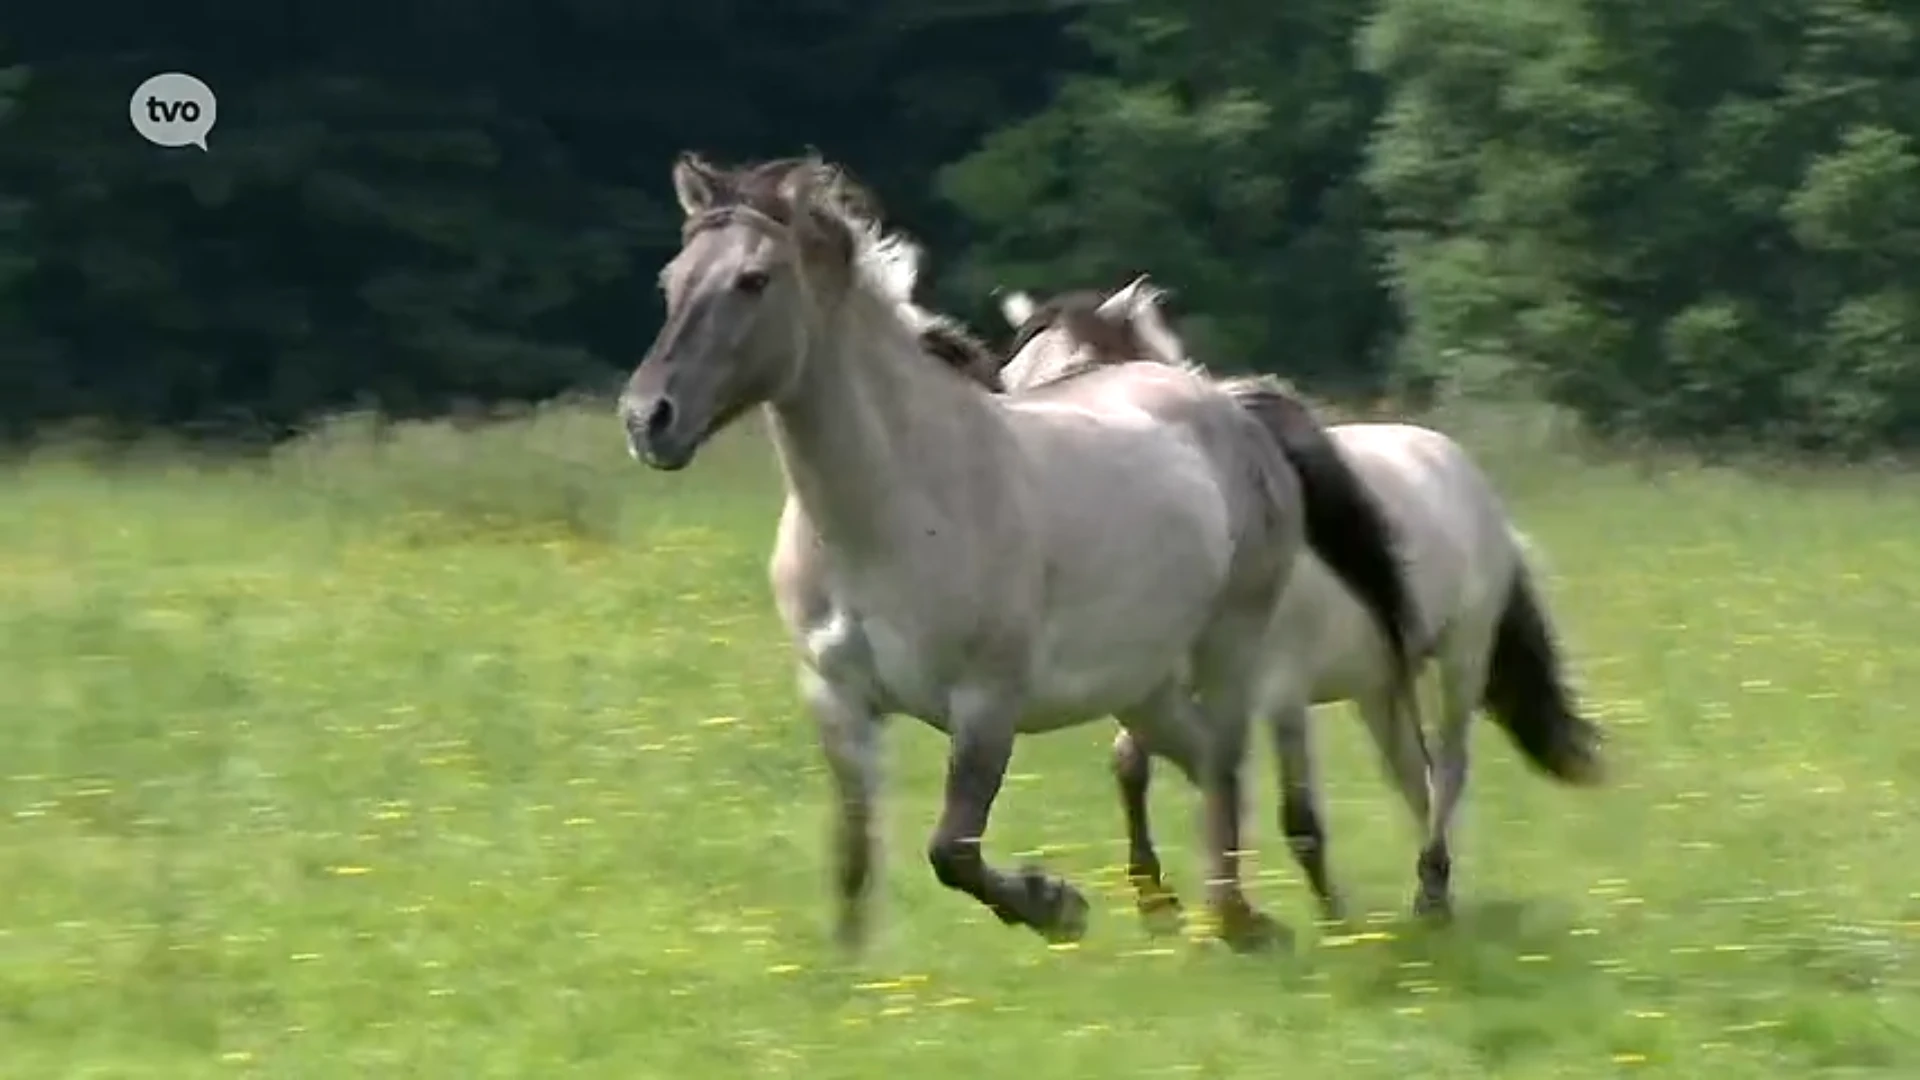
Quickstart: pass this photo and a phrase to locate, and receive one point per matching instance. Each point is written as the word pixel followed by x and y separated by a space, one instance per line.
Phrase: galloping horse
pixel 1484 624
pixel 990 566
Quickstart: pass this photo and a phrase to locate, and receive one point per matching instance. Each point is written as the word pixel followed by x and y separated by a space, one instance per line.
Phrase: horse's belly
pixel 1326 636
pixel 1350 674
pixel 1105 666
pixel 1063 696
pixel 1072 684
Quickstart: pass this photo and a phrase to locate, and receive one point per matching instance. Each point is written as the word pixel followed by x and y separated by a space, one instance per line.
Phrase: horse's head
pixel 1078 330
pixel 766 252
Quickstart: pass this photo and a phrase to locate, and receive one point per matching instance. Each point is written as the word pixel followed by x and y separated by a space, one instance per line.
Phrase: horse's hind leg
pixel 981 747
pixel 1404 758
pixel 1157 903
pixel 849 738
pixel 1163 727
pixel 1300 812
pixel 1462 678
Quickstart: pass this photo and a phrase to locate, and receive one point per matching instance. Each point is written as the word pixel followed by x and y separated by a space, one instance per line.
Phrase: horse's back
pixel 1134 428
pixel 1145 512
pixel 1456 545
pixel 1225 447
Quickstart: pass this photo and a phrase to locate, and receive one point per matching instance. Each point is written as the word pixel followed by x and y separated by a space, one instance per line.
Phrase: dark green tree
pixel 408 205
pixel 1682 220
pixel 1219 152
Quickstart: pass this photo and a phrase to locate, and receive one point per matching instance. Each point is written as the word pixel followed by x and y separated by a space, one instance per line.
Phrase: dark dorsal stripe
pixel 1078 312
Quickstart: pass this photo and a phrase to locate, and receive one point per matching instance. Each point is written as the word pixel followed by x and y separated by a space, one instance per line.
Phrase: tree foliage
pixel 1698 219
pixel 1685 220
pixel 407 205
pixel 1219 150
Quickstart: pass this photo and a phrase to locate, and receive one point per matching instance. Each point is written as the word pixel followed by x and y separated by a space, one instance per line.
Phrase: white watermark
pixel 173 109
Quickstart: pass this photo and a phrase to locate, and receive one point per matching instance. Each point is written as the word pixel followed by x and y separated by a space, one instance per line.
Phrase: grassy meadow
pixel 475 754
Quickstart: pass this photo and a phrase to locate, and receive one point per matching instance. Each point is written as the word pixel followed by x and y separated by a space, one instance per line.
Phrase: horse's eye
pixel 751 282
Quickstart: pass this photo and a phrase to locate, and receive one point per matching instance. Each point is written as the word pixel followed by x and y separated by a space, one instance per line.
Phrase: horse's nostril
pixel 660 419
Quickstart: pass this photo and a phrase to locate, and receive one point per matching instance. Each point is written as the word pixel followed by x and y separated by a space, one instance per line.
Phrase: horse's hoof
pixel 1434 907
pixel 1333 911
pixel 1249 931
pixel 1068 922
pixel 850 935
pixel 1159 912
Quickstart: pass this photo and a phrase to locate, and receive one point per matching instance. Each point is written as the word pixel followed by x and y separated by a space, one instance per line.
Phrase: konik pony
pixel 993 566
pixel 1483 622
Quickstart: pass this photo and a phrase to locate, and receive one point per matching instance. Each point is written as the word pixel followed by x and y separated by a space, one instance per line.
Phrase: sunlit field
pixel 477 755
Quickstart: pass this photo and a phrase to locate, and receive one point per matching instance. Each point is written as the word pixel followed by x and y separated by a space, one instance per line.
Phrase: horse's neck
pixel 857 433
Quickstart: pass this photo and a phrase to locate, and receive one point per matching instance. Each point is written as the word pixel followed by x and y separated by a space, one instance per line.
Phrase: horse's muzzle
pixel 654 436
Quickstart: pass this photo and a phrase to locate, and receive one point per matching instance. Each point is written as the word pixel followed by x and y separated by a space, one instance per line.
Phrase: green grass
pixel 476 755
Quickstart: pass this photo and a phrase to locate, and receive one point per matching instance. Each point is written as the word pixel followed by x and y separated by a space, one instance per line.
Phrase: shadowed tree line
pixel 1698 219
pixel 410 204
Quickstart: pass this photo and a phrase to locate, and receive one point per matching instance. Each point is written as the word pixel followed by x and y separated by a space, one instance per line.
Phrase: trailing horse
pixel 1482 620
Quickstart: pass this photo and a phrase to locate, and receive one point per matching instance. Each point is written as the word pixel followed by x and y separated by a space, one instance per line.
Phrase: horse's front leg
pixel 982 727
pixel 849 732
pixel 1300 815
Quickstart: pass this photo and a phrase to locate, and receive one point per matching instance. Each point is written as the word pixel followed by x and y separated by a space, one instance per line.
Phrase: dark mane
pixel 953 345
pixel 1109 342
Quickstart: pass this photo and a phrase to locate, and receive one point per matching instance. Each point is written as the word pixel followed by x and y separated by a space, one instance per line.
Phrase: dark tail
pixel 1345 526
pixel 1527 696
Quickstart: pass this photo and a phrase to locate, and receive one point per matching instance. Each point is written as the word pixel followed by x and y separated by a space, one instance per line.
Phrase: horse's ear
pixel 810 188
pixel 1127 300
pixel 696 184
pixel 896 261
pixel 1152 327
pixel 1016 307
pixel 797 187
pixel 814 182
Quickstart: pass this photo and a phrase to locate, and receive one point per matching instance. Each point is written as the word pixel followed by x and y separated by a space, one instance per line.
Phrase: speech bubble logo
pixel 173 109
